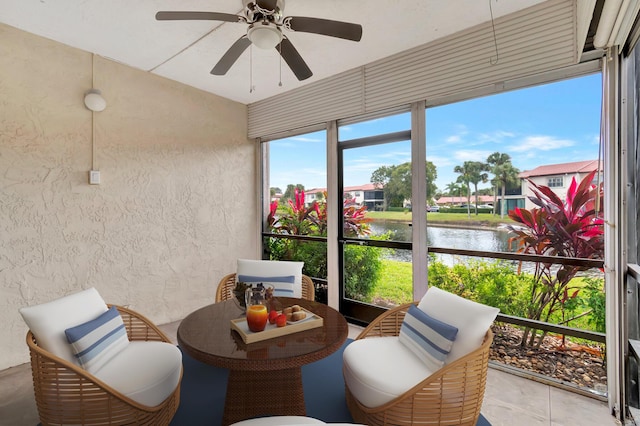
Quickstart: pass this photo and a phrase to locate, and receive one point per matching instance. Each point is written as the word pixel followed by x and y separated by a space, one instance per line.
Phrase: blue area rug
pixel 203 391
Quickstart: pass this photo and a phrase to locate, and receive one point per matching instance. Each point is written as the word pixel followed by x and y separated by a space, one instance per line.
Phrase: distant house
pixel 458 200
pixel 366 194
pixel 276 197
pixel 315 194
pixel 557 177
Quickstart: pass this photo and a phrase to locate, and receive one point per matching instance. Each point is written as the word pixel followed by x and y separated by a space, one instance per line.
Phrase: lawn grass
pixel 461 219
pixel 395 283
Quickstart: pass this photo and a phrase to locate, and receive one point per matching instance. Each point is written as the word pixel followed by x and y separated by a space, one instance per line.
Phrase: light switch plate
pixel 94 177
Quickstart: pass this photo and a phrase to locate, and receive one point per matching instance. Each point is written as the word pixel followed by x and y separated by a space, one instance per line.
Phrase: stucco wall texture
pixel 176 206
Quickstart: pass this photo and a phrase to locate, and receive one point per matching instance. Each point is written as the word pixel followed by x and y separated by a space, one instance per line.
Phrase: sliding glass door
pixel 375 233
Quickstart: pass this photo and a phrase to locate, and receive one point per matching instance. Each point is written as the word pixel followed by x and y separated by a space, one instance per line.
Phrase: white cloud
pixel 307 139
pixel 459 135
pixel 471 155
pixel 540 143
pixel 439 161
pixel 497 136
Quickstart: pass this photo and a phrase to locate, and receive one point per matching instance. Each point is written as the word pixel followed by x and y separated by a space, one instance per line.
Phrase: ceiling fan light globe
pixel 264 36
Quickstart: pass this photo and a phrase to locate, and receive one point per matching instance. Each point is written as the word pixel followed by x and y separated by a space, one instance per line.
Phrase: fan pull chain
pixel 251 88
pixel 280 49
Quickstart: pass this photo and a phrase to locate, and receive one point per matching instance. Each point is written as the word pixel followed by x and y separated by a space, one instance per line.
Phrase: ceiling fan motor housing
pixel 261 10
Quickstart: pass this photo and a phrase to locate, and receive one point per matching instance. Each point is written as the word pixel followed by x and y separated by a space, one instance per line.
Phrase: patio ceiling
pixel 186 51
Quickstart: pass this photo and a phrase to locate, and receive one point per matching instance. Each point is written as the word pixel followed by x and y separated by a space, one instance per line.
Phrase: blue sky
pixel 548 124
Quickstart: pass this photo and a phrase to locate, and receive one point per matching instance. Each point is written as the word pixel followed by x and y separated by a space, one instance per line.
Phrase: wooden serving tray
pixel 271 330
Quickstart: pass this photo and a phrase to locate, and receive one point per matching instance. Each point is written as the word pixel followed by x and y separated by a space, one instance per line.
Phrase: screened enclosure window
pixel 376 180
pixel 297 182
pixel 378 126
pixel 492 156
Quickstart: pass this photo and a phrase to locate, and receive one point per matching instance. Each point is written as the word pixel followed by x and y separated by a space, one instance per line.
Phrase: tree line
pixel 395 181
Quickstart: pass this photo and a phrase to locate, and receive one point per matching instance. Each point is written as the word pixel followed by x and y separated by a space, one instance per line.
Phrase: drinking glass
pixel 257 312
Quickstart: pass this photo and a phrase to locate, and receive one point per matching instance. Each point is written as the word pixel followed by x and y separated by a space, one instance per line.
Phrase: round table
pixel 265 377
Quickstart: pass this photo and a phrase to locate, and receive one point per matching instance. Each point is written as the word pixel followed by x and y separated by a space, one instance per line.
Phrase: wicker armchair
pixel 451 396
pixel 67 394
pixel 227 284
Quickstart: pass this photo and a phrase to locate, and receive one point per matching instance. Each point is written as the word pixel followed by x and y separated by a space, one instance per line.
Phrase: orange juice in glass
pixel 257 316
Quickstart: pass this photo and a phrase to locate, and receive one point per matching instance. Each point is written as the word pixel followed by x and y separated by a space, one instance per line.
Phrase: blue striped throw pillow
pixel 95 342
pixel 282 286
pixel 428 338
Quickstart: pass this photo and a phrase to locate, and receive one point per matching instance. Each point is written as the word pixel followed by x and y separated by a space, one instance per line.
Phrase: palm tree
pixel 494 161
pixel 454 188
pixel 465 178
pixel 505 174
pixel 472 172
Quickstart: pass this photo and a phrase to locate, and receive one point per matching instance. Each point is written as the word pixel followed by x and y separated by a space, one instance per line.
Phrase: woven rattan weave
pixel 68 395
pixel 451 396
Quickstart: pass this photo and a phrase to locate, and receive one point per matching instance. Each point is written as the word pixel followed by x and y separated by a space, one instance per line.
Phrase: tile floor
pixel 509 399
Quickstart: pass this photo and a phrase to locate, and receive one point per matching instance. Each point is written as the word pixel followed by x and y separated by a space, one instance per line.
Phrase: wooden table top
pixel 207 336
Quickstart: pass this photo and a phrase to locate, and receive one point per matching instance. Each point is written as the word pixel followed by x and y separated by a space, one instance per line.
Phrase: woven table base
pixel 259 393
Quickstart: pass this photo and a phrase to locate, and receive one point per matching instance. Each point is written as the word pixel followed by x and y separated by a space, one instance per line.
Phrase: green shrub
pixel 594 299
pixel 361 271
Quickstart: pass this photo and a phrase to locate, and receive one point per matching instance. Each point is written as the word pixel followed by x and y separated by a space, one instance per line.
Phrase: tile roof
pixel 365 187
pixel 482 199
pixel 560 169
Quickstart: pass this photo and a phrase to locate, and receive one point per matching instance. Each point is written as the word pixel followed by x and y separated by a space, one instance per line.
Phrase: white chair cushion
pixel 287 420
pixel 280 420
pixel 379 369
pixel 147 372
pixel 472 319
pixel 48 321
pixel 97 341
pixel 272 268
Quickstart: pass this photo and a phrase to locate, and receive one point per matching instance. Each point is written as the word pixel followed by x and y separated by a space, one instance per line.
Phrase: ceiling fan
pixel 265 21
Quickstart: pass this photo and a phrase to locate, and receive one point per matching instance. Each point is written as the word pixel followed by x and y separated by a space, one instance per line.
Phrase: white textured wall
pixel 176 206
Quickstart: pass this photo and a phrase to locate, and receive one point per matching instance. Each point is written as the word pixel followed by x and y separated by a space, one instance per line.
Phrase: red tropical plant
pixel 356 223
pixel 297 221
pixel 572 228
pixel 312 220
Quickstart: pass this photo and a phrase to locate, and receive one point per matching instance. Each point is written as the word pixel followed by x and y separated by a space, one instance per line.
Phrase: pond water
pixel 445 237
pixel 456 238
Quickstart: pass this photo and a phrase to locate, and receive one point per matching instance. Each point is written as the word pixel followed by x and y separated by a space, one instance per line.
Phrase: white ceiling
pixel 186 51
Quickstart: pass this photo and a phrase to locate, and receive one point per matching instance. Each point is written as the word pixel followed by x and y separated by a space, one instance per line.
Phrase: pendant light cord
pixel 280 52
pixel 251 68
pixel 93 114
pixel 495 41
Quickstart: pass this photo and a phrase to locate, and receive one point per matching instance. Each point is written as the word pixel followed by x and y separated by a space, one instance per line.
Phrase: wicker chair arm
pixel 387 323
pixel 140 327
pixel 308 289
pixel 225 288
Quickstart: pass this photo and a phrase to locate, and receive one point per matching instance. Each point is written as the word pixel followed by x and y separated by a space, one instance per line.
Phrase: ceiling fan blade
pixel 267 4
pixel 193 16
pixel 345 30
pixel 231 56
pixel 294 60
